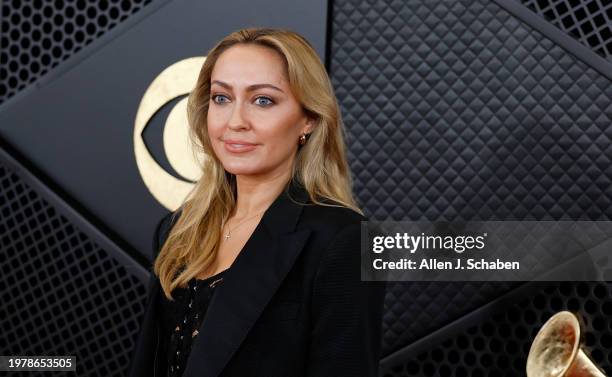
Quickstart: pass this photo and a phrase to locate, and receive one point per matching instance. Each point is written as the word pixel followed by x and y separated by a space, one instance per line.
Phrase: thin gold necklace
pixel 229 230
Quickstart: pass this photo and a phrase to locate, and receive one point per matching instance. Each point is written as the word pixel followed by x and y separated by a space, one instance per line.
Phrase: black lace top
pixel 181 320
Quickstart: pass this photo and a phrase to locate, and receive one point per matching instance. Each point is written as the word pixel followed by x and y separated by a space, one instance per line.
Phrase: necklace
pixel 229 230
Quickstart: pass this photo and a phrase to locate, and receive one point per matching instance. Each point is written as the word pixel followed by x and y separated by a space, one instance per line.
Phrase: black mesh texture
pixel 588 21
pixel 37 35
pixel 61 293
pixel 459 111
pixel 499 345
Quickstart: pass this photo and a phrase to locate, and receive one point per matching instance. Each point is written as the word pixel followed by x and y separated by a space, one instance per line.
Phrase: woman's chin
pixel 242 170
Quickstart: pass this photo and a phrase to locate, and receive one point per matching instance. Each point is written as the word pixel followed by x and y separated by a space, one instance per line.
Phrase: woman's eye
pixel 266 101
pixel 263 101
pixel 214 98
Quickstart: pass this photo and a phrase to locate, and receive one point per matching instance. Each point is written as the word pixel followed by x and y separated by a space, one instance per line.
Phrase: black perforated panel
pixel 589 21
pixel 499 345
pixel 459 111
pixel 61 293
pixel 37 35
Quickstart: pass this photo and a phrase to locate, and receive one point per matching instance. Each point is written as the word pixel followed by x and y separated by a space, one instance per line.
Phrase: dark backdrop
pixel 455 110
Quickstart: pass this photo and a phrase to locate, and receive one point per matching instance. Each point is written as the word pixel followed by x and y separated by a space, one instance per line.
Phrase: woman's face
pixel 254 121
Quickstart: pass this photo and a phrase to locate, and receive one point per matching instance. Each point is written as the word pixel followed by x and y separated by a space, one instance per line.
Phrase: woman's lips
pixel 238 146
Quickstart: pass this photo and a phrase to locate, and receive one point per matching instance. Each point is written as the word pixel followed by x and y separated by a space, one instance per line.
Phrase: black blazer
pixel 293 303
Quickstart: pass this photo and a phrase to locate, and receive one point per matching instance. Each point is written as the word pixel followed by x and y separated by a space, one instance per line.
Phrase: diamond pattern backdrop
pixel 456 110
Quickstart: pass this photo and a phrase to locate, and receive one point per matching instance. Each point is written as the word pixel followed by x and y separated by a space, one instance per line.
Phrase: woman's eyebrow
pixel 249 88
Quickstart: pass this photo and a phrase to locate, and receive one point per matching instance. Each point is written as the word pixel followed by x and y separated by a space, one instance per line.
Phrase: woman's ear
pixel 308 126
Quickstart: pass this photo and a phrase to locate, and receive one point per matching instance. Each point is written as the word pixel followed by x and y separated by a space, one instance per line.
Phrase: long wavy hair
pixel 320 165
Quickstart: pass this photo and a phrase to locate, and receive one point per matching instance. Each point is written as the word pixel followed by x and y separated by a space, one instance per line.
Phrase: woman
pixel 258 273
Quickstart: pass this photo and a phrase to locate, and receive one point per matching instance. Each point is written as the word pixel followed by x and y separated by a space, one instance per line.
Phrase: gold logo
pixel 175 81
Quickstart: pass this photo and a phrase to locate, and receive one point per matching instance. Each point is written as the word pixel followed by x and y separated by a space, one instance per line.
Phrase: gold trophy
pixel 556 351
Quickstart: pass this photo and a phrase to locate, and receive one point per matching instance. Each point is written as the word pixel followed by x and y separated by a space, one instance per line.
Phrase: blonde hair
pixel 320 164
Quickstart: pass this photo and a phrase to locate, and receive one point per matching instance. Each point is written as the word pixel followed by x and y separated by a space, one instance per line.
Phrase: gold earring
pixel 302 139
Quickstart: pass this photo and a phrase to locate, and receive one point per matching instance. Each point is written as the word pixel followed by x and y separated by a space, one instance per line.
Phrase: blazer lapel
pixel 248 285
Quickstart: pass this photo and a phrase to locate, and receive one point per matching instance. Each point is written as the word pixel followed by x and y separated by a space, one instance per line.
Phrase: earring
pixel 302 139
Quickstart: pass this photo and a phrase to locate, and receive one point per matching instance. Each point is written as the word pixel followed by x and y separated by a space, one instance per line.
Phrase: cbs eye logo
pixel 175 81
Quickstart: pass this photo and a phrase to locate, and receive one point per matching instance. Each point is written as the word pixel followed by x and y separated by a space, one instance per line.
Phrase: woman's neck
pixel 256 195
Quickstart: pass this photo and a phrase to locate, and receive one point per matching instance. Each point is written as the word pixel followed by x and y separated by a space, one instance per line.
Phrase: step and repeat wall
pixel 454 110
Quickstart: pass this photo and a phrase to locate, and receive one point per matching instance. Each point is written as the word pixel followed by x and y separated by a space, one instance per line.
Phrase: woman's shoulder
pixel 163 229
pixel 331 216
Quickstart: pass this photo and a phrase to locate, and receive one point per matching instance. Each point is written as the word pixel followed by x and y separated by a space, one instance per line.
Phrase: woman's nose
pixel 237 119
